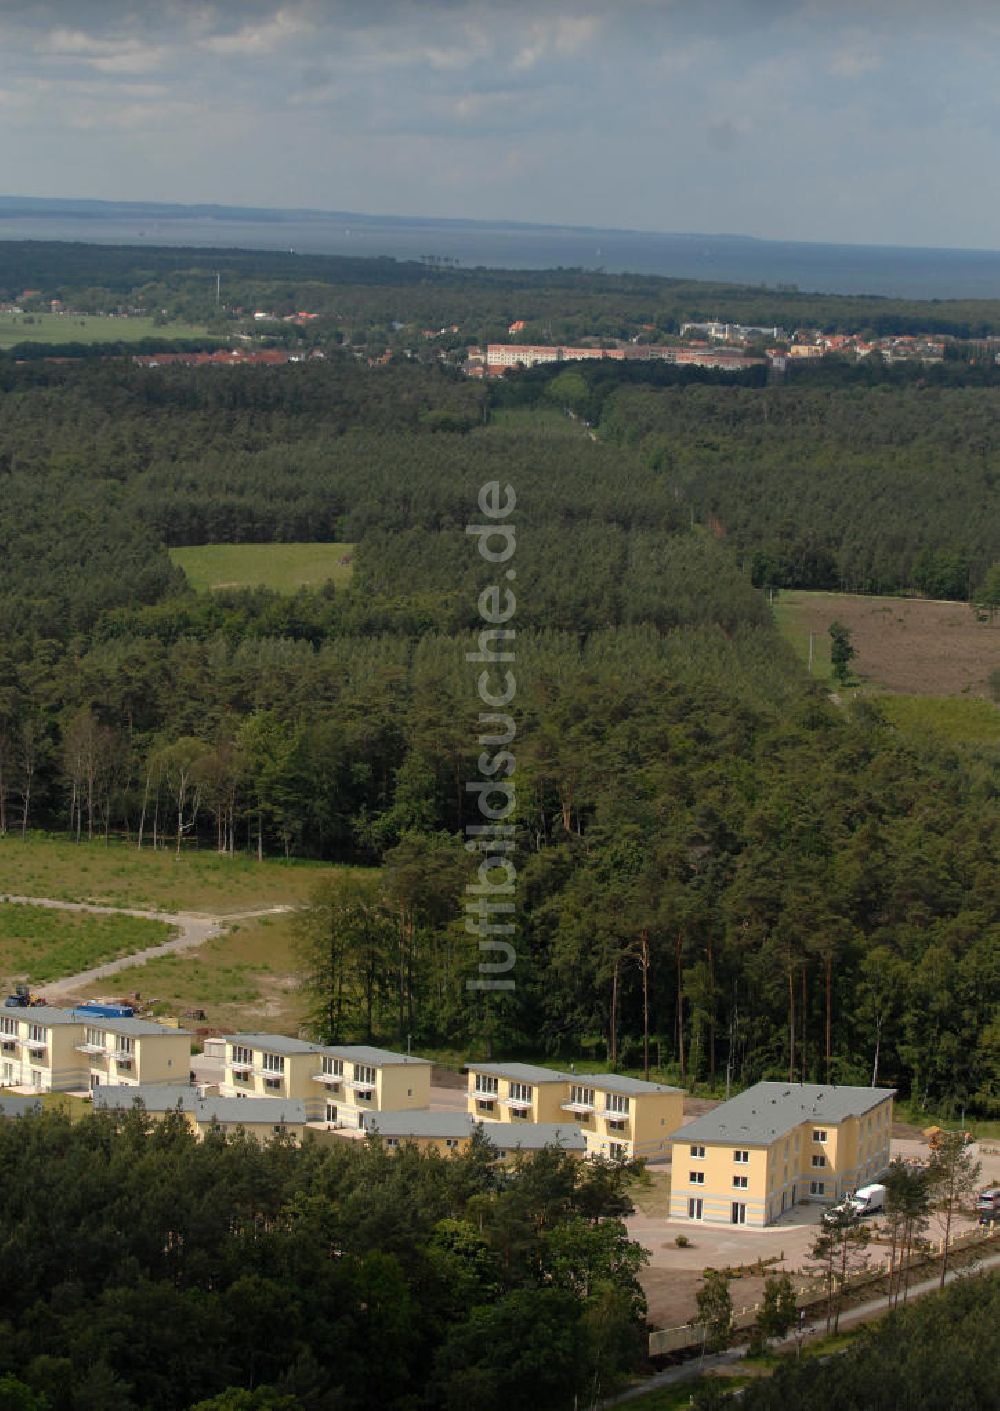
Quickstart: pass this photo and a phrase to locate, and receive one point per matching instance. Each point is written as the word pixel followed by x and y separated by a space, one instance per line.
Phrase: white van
pixel 868 1199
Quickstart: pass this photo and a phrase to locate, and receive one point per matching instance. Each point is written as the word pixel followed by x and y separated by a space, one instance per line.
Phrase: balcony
pixel 329 1078
pixel 516 1104
pixel 124 1057
pixel 90 1048
pixel 582 1109
pixel 357 1085
pixel 36 1045
pixel 612 1114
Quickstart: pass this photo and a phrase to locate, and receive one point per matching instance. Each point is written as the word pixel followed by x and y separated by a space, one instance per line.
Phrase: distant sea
pixel 908 272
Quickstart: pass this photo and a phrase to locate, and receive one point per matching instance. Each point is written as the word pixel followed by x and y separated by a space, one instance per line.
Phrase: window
pixel 484 1104
pixel 451 1142
pixel 695 1208
pixel 698 1152
pixel 8 1026
pixel 331 1112
pixel 696 1178
pixel 392 1141
pixel 616 1124
pixel 333 1067
pixel 617 1103
pixel 486 1084
pixel 817 1188
pixel 819 1135
pixel 616 1150
pixel 521 1092
pixel 242 1057
pixel 123 1049
pixel 819 1159
pixel 742 1158
pixel 273 1062
pixel 36 1034
pixel 581 1097
pixel 364 1074
pixel 740 1183
pixel 273 1084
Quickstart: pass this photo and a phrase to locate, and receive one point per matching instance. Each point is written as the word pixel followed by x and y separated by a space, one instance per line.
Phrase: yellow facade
pixel 516 1092
pixel 55 1050
pixel 336 1084
pixel 621 1118
pixel 776 1146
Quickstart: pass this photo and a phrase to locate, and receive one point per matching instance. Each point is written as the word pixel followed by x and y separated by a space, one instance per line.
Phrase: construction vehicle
pixel 22 998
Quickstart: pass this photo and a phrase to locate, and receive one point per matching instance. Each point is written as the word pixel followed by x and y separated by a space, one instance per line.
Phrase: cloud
pixel 854 63
pixel 562 35
pixel 264 37
pixel 106 55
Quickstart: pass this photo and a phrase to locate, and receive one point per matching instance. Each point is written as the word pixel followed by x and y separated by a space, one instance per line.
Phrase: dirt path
pixel 193 928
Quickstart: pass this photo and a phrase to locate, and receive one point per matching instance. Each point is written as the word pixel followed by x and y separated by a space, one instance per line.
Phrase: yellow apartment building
pixel 775 1146
pixel 46 1049
pixel 620 1118
pixel 516 1092
pixel 450 1131
pixel 337 1084
pixel 263 1119
pixel 624 1118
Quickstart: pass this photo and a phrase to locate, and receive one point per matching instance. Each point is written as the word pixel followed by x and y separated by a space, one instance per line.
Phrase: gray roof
pixel 420 1123
pixel 505 1136
pixel 274 1043
pixel 532 1136
pixel 376 1057
pixel 133 1028
pixel 768 1110
pixel 45 1014
pixel 522 1072
pixel 11 1105
pixel 353 1053
pixel 614 1083
pixel 48 1014
pixel 165 1097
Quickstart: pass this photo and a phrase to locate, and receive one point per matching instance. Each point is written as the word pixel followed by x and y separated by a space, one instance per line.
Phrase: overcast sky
pixel 804 119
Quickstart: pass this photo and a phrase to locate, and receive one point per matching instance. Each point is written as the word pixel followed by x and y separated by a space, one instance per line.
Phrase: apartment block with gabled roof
pixel 624 1118
pixel 777 1145
pixel 516 1092
pixel 65 1050
pixel 337 1083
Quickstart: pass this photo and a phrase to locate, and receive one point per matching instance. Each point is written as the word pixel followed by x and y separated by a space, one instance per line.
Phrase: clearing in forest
pixel 283 567
pixel 38 944
pixel 118 874
pixel 247 978
pixel 87 328
pixel 910 646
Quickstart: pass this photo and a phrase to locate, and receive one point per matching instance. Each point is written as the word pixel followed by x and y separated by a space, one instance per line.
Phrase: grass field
pixel 245 979
pixel 86 328
pixel 120 875
pixel 38 945
pixel 283 567
pixel 907 646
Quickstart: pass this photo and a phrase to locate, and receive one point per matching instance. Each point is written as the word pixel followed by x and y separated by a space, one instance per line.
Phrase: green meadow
pixel 118 874
pixel 283 567
pixel 87 328
pixel 39 944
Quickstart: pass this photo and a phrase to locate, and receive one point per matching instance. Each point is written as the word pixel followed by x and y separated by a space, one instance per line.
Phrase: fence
pixel 663 1341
